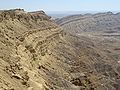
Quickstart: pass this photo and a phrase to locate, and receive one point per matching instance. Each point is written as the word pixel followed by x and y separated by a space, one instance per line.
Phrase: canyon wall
pixel 36 54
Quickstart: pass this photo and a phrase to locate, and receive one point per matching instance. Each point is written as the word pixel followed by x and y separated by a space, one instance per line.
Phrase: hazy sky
pixel 62 5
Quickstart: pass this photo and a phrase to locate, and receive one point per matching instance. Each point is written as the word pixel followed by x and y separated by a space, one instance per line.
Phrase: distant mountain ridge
pixel 90 22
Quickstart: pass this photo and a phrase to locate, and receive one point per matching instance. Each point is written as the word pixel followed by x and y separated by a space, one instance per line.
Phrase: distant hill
pixel 61 14
pixel 91 22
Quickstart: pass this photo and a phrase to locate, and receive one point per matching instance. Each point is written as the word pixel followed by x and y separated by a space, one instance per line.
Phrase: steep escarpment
pixel 102 22
pixel 36 54
pixel 24 40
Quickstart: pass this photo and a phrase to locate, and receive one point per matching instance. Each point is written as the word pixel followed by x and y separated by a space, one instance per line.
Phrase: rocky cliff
pixel 24 41
pixel 36 54
pixel 102 22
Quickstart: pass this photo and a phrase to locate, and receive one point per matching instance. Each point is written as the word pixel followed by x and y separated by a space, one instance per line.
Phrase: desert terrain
pixel 78 52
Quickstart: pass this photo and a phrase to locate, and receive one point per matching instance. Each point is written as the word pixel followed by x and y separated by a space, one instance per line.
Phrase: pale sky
pixel 62 5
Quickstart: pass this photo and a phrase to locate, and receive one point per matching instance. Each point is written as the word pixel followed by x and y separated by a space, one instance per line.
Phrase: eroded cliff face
pixel 24 42
pixel 35 54
pixel 100 22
